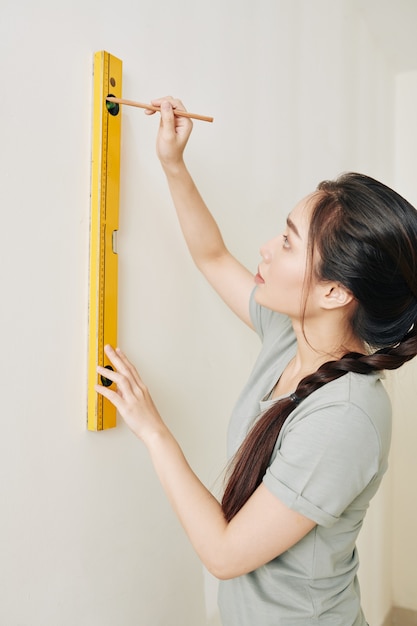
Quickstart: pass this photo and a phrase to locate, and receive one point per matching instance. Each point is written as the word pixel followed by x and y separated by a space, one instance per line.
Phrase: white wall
pixel 299 92
pixel 404 460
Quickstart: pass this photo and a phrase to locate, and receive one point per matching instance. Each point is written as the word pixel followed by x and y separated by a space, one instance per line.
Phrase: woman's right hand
pixel 174 132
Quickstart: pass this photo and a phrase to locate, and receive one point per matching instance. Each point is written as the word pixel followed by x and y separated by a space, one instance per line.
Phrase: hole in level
pixel 112 107
pixel 106 382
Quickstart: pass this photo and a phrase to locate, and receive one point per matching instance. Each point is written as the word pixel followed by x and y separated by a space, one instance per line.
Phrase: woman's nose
pixel 267 249
pixel 264 252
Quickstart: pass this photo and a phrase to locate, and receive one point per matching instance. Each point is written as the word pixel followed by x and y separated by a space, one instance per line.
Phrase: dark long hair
pixel 365 235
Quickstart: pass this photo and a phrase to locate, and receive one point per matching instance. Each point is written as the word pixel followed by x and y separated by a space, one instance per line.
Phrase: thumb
pixel 167 115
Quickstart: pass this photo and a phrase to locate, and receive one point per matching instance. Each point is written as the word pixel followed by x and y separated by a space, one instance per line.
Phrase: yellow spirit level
pixel 104 223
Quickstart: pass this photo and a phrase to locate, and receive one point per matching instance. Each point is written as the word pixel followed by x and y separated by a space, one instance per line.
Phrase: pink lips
pixel 258 278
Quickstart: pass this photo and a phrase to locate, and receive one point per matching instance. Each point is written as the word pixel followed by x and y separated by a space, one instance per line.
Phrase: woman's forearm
pixel 200 230
pixel 197 509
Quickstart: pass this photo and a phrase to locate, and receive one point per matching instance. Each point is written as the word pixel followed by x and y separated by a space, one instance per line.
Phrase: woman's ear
pixel 335 296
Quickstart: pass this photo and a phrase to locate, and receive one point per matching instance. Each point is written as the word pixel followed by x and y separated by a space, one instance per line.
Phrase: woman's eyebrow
pixel 293 227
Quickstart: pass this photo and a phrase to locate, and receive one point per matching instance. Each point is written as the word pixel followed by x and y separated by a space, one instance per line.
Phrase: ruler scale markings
pixel 103 210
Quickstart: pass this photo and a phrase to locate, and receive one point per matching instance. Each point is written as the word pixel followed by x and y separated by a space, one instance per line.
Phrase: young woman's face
pixel 283 268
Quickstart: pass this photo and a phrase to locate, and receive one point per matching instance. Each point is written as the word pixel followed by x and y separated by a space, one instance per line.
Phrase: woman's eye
pixel 286 242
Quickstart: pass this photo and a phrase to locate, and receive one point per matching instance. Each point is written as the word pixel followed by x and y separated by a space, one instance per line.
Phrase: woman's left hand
pixel 132 398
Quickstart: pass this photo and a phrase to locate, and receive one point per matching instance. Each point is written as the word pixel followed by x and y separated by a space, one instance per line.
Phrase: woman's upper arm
pixel 262 530
pixel 232 281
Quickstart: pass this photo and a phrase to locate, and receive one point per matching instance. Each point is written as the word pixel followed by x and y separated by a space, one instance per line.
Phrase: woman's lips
pixel 258 279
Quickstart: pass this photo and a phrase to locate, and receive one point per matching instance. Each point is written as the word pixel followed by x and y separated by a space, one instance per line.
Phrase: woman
pixel 335 303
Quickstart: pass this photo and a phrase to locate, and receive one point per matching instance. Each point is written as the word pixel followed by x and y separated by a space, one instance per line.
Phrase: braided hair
pixel 365 235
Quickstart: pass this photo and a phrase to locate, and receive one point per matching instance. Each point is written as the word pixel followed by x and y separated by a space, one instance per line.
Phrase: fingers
pixel 117 358
pixel 123 374
pixel 122 365
pixel 158 102
pixel 175 103
pixel 124 388
pixel 168 105
pixel 111 395
pixel 168 120
pixel 131 398
pixel 129 384
pixel 174 131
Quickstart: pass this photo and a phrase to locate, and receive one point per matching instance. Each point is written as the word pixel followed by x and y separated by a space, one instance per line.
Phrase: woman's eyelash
pixel 286 242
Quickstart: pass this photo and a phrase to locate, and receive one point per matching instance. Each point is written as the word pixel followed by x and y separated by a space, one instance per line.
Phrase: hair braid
pixel 383 359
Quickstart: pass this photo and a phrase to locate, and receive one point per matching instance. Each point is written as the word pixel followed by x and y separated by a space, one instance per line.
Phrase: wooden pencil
pixel 150 107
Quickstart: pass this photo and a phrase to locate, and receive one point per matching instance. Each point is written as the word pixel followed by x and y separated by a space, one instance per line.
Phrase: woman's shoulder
pixel 356 404
pixel 364 392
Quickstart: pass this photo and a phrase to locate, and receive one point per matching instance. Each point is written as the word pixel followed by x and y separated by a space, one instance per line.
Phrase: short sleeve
pixel 325 460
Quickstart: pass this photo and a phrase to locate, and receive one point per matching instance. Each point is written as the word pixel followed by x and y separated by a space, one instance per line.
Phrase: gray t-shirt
pixel 327 464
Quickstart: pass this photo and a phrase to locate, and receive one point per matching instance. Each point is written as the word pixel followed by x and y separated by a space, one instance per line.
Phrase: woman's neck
pixel 316 344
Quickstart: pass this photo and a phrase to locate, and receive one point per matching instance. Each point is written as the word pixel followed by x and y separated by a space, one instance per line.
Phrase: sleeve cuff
pixel 297 502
